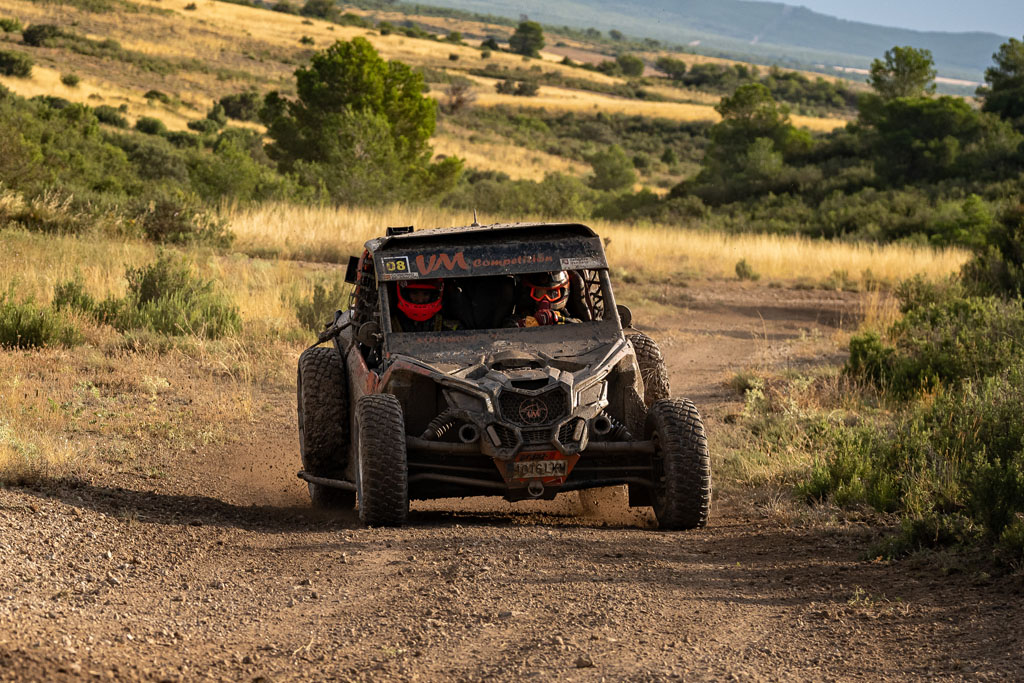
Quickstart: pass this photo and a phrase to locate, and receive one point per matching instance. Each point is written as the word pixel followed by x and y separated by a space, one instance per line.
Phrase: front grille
pixel 566 431
pixel 531 411
pixel 506 436
pixel 536 436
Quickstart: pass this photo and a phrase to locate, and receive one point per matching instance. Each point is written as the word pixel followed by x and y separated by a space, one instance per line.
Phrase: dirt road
pixel 220 570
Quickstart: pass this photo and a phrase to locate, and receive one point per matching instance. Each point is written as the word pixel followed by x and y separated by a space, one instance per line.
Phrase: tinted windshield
pixel 492 302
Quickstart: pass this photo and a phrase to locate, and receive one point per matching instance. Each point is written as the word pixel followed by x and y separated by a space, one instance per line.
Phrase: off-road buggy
pixel 525 413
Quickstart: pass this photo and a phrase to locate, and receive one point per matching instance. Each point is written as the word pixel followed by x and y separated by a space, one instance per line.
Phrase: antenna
pixel 474 224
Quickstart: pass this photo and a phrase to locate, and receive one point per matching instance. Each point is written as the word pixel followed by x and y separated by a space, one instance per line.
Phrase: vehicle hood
pixel 569 348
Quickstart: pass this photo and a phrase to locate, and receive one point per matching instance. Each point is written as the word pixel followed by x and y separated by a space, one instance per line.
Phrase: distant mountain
pixel 764 30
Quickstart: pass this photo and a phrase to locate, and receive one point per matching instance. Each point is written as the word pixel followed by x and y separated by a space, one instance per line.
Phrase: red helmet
pixel 548 289
pixel 420 300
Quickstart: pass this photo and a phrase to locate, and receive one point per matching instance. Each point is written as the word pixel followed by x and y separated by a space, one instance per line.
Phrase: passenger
pixel 543 301
pixel 419 307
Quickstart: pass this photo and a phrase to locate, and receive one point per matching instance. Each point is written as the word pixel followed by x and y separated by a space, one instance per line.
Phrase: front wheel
pixel 682 465
pixel 382 469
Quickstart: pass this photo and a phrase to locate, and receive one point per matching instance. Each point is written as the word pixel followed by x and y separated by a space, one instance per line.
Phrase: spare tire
pixel 322 394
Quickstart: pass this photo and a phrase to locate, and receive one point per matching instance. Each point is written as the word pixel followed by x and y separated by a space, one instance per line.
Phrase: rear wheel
pixel 382 470
pixel 322 394
pixel 682 467
pixel 652 368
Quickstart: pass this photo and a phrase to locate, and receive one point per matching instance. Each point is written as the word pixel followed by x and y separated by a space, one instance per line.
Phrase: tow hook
pixel 535 488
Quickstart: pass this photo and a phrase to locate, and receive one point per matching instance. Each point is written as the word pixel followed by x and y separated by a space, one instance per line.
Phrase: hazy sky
pixel 1003 17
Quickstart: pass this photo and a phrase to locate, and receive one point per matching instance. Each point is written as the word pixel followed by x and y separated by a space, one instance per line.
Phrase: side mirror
pixel 625 315
pixel 368 334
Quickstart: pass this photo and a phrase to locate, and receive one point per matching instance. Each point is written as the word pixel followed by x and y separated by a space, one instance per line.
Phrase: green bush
pixel 164 296
pixel 506 87
pixel 24 325
pixel 527 89
pixel 944 339
pixel 998 268
pixel 316 310
pixel 15 64
pixel 961 454
pixel 204 126
pixel 71 295
pixel 110 116
pixel 70 80
pixel 745 271
pixel 11 25
pixel 630 65
pixel 177 219
pixel 242 106
pixel 42 35
pixel 217 115
pixel 613 169
pixel 183 140
pixel 157 95
pixel 150 125
pixel 556 195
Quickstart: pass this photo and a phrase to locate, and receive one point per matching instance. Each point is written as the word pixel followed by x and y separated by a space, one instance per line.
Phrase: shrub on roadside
pixel 52 211
pixel 317 309
pixel 179 219
pixel 745 271
pixel 24 325
pixel 959 455
pixel 943 339
pixel 164 296
pixel 70 80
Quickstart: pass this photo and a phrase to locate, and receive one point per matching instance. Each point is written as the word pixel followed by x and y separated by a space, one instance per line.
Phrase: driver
pixel 419 307
pixel 544 298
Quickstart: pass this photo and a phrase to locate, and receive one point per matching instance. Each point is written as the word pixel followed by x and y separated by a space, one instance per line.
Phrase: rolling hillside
pixel 760 30
pixel 191 54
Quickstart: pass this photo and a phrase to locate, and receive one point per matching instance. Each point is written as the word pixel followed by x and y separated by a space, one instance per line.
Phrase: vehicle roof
pixel 469 233
pixel 484 250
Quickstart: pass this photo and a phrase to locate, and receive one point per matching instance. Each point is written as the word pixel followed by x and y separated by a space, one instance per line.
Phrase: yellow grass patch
pixel 46 81
pixel 520 163
pixel 697 96
pixel 656 251
pixel 550 98
pixel 262 289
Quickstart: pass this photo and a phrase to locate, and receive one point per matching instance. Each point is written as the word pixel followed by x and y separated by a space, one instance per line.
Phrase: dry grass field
pixel 654 252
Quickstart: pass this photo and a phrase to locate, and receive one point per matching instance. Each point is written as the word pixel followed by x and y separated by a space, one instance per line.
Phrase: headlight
pixel 593 394
pixel 468 402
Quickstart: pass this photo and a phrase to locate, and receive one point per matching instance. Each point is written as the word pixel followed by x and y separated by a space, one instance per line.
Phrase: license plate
pixel 535 469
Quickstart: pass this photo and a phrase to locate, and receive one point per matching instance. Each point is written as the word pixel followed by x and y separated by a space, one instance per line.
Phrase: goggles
pixel 550 294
